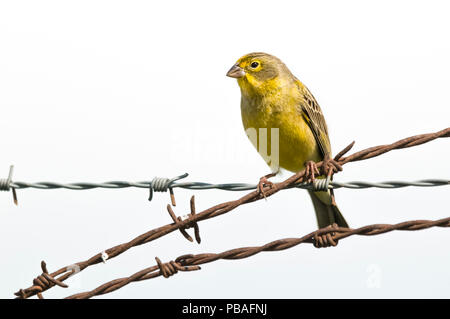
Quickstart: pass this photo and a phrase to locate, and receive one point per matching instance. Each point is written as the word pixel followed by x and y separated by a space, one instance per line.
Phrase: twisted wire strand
pixel 164 184
pixel 390 184
pixel 245 252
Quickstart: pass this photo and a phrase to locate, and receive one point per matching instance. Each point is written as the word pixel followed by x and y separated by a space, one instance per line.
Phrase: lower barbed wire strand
pixel 191 262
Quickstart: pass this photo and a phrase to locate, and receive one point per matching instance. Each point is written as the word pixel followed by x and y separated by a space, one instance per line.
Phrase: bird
pixel 273 98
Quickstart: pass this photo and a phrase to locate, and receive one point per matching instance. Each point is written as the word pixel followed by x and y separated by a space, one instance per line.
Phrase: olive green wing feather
pixel 327 212
pixel 313 115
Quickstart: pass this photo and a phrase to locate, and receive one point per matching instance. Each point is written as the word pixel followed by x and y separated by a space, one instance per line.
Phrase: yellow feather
pixel 279 108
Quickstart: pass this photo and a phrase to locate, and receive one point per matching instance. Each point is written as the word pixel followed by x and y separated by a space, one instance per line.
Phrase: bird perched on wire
pixel 272 97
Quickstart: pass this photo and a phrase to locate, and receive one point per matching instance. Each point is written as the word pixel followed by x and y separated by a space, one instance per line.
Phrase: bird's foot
pixel 311 171
pixel 263 182
pixel 326 240
pixel 330 166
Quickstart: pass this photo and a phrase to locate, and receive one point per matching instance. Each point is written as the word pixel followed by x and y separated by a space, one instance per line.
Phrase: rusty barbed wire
pixel 226 207
pixel 186 262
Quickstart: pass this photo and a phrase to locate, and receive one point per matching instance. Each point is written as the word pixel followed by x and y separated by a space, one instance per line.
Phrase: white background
pixel 109 90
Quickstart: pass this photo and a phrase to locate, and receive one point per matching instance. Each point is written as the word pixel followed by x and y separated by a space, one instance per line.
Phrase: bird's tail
pixel 327 212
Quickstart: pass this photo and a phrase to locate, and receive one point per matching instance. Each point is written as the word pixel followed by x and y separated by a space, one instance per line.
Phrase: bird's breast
pixel 279 128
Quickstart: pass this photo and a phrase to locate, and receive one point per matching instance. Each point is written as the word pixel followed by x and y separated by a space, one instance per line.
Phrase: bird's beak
pixel 236 72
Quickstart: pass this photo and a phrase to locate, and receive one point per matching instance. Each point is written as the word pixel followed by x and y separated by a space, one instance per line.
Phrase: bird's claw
pixel 311 171
pixel 326 240
pixel 331 166
pixel 263 182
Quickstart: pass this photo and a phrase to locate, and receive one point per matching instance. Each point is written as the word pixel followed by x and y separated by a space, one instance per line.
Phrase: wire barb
pixel 6 184
pixel 321 184
pixel 162 184
pixel 172 267
pixel 344 151
pixel 40 284
pixel 187 223
pixel 327 239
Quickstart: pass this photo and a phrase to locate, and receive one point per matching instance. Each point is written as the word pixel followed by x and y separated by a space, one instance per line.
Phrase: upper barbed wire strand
pixel 226 186
pixel 6 184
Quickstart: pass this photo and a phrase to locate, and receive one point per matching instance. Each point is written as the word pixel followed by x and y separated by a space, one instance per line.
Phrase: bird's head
pixel 260 73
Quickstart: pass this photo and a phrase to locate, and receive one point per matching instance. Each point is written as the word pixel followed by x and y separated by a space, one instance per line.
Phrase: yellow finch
pixel 272 97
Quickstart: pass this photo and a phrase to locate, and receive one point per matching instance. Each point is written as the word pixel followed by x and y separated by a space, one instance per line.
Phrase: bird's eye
pixel 254 65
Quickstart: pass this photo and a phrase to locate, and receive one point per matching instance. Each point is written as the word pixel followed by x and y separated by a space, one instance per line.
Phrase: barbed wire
pixel 191 220
pixel 190 262
pixel 225 186
pixel 162 184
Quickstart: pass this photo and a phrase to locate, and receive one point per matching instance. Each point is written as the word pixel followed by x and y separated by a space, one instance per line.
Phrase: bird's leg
pixel 326 240
pixel 311 171
pixel 264 181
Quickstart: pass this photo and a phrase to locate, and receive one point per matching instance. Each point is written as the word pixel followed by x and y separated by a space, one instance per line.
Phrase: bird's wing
pixel 313 115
